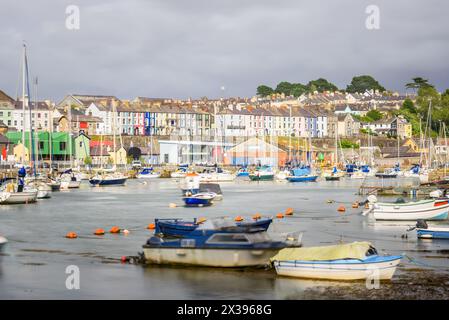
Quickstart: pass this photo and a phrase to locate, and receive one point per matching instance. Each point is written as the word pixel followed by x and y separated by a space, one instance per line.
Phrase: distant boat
pixel 116 179
pixel 302 175
pixel 410 213
pixel 431 232
pixel 201 199
pixel 333 175
pixel 243 172
pixel 181 172
pixel 216 175
pixel 264 173
pixel 190 184
pixel 341 262
pixel 148 173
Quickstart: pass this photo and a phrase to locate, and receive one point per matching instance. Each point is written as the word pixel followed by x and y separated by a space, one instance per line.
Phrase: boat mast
pixel 30 112
pixel 69 136
pixel 23 103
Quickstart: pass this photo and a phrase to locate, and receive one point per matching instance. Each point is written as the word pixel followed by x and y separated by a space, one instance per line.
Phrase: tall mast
pixel 70 133
pixel 23 103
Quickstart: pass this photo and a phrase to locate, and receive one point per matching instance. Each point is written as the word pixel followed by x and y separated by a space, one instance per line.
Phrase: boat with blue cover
pixel 353 261
pixel 226 250
pixel 303 174
pixel 182 228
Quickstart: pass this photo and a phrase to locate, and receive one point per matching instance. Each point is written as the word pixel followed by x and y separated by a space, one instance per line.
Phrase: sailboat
pixel 68 178
pixel 335 174
pixel 12 193
pixel 304 173
pixel 114 178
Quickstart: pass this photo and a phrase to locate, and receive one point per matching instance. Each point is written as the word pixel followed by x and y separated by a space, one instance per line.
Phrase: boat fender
pixel 341 209
pixel 238 218
pixel 289 212
pixel 279 216
pixel 257 216
pixel 125 232
pixel 172 205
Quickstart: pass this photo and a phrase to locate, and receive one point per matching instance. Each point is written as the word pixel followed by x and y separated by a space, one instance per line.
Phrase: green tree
pixel 284 87
pixel 264 90
pixel 321 85
pixel 298 89
pixel 409 106
pixel 363 83
pixel 374 115
pixel 418 83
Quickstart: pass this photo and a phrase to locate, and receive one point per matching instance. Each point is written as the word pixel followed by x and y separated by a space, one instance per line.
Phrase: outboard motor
pixel 421 224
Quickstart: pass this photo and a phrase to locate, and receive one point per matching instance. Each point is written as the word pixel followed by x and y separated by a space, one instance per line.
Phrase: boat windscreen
pixel 210 187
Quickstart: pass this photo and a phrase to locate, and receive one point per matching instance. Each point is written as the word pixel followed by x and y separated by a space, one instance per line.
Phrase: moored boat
pixel 424 231
pixel 18 197
pixel 410 213
pixel 180 227
pixel 353 261
pixel 264 173
pixel 199 199
pixel 302 175
pixel 115 179
pixel 225 250
pixel 148 173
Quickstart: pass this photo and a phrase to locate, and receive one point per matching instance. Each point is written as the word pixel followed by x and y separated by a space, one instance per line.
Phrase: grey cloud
pixel 192 47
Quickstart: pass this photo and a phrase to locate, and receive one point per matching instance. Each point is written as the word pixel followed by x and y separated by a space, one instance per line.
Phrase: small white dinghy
pixel 352 261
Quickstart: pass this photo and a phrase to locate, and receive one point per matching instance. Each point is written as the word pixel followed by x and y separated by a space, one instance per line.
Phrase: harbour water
pixel 33 264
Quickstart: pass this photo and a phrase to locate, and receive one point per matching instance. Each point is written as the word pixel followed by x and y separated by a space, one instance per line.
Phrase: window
pixel 62 146
pixel 81 144
pixel 1 113
pixel 41 145
pixel 9 122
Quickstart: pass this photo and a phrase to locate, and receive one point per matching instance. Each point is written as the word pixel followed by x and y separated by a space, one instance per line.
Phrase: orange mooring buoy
pixel 99 232
pixel 151 226
pixel 71 235
pixel 238 218
pixel 366 205
pixel 341 209
pixel 279 215
pixel 289 212
pixel 257 216
pixel 355 205
pixel 115 229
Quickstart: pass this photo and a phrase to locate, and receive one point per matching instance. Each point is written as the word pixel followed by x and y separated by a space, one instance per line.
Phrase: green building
pixel 59 144
pixel 82 147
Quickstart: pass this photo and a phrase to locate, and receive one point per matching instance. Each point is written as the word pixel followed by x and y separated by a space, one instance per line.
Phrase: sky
pixel 196 48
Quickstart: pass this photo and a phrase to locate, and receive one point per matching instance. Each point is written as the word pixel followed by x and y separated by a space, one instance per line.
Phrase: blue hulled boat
pixel 182 228
pixel 434 232
pixel 201 199
pixel 301 175
pixel 108 180
pixel 243 172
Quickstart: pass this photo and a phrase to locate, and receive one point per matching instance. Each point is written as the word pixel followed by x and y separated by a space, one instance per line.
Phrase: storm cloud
pixel 191 48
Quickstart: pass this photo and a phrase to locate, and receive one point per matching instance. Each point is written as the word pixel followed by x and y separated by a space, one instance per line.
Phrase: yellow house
pixel 119 157
pixel 19 152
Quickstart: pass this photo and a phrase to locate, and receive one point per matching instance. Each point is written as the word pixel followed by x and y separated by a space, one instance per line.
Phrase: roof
pixel 41 105
pixel 5 97
pixel 4 139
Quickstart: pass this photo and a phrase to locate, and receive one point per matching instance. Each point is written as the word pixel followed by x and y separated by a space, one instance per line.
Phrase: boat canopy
pixel 216 223
pixel 355 250
pixel 304 171
pixel 210 187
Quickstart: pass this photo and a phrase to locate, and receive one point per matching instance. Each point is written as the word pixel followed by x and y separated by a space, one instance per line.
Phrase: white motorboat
pixel 148 173
pixel 353 261
pixel 216 175
pixel 410 213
